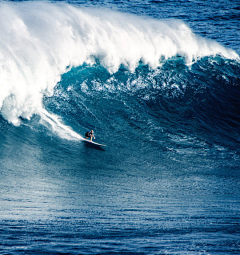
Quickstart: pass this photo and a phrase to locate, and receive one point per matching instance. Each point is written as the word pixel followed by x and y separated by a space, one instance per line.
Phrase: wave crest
pixel 40 40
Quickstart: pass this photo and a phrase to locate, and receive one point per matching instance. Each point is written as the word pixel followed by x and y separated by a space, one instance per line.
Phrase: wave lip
pixel 40 40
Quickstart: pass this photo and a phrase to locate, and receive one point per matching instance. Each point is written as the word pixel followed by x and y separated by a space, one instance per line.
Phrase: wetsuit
pixel 88 134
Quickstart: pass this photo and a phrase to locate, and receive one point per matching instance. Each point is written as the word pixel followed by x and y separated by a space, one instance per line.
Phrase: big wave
pixel 40 41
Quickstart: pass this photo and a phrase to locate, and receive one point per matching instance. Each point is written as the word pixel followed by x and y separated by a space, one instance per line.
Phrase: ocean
pixel 159 83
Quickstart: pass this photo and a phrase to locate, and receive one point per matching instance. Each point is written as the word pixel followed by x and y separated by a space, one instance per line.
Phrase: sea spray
pixel 55 124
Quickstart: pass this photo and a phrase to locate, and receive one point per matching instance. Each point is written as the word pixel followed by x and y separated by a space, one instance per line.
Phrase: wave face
pixel 163 100
pixel 197 101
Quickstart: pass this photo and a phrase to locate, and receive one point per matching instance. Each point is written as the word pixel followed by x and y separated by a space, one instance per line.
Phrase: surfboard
pixel 93 143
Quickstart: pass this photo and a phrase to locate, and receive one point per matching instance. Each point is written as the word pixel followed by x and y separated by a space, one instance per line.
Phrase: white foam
pixel 38 40
pixel 54 122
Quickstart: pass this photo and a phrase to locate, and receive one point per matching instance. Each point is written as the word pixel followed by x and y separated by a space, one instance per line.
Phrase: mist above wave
pixel 39 41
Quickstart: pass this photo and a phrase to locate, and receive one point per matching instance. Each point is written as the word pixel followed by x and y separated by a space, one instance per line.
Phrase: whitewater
pixel 41 41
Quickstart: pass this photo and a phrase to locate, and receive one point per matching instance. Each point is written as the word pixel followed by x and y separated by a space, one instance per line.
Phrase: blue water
pixel 158 82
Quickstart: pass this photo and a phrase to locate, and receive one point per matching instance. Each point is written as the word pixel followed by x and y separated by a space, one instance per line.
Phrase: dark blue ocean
pixel 159 83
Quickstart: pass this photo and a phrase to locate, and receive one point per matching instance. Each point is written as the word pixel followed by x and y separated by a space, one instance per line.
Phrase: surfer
pixel 90 135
